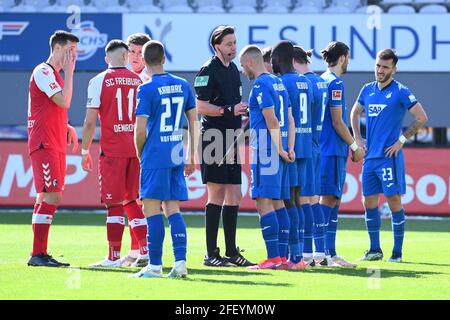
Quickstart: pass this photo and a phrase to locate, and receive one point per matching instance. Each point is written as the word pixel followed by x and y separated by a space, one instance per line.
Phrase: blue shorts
pixel 163 184
pixel 384 175
pixel 293 174
pixel 269 183
pixel 311 185
pixel 333 170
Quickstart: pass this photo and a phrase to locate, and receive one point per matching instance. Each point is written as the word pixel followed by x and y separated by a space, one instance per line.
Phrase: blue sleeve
pixel 361 96
pixel 190 101
pixel 144 105
pixel 336 93
pixel 311 97
pixel 287 99
pixel 407 99
pixel 263 97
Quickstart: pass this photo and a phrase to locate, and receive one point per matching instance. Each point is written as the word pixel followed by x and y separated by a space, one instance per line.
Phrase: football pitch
pixel 80 239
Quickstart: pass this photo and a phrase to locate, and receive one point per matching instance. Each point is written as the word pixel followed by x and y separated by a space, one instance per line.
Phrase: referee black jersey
pixel 221 86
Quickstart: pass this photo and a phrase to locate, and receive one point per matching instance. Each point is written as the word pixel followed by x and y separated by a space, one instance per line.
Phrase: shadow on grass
pixel 244 222
pixel 243 282
pixel 370 271
pixel 194 271
pixel 428 264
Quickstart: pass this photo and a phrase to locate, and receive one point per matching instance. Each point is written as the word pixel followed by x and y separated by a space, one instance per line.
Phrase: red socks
pixel 138 226
pixel 115 223
pixel 42 219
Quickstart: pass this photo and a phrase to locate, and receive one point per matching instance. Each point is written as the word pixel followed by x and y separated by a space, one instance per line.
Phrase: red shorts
pixel 118 178
pixel 49 170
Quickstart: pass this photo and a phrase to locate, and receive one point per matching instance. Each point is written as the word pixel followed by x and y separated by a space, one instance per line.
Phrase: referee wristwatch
pixel 227 110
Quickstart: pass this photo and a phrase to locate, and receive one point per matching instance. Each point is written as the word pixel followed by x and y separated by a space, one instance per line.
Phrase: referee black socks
pixel 212 219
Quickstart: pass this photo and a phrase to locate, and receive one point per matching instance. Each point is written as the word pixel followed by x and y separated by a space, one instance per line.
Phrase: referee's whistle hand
pixel 241 109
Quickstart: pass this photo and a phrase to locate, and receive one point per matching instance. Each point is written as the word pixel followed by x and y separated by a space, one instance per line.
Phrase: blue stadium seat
pixel 242 6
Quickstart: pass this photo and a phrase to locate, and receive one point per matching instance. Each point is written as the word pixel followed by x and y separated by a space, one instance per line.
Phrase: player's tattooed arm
pixel 420 118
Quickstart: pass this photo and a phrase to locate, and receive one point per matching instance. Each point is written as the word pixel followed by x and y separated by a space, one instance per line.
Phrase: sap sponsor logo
pixel 90 39
pixel 12 28
pixel 375 109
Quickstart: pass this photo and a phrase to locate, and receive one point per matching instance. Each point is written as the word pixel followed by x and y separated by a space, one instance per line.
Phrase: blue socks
pixel 398 227
pixel 373 224
pixel 178 233
pixel 309 221
pixel 318 228
pixel 331 231
pixel 294 249
pixel 326 215
pixel 269 228
pixel 301 230
pixel 155 238
pixel 283 229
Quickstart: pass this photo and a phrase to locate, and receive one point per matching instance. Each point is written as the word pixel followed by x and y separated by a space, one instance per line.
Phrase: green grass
pixel 425 274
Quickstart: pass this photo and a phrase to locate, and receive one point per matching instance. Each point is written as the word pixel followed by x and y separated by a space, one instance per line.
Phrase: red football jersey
pixel 113 92
pixel 47 122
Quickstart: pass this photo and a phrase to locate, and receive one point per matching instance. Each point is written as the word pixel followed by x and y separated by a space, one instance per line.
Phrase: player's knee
pixel 395 202
pixel 53 198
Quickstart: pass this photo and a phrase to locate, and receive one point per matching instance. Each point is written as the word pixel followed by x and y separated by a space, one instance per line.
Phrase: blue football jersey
pixel 320 101
pixel 385 110
pixel 163 100
pixel 268 92
pixel 300 95
pixel 331 143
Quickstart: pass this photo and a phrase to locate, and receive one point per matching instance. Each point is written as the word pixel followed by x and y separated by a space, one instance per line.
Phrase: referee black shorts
pixel 229 172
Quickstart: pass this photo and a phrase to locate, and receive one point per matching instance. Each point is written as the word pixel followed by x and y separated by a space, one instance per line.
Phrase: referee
pixel 219 91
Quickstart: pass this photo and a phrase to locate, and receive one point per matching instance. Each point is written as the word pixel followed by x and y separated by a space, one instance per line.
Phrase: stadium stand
pixel 21 6
pixel 401 9
pixel 241 6
pixel 276 6
pixel 144 6
pixel 181 6
pixel 88 6
pixel 233 6
pixel 118 6
pixel 209 6
pixel 433 8
pixel 53 6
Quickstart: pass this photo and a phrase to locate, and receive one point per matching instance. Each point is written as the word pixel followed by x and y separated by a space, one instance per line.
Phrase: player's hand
pixel 361 143
pixel 291 154
pixel 241 109
pixel 72 138
pixel 285 156
pixel 87 162
pixel 358 155
pixel 69 60
pixel 393 150
pixel 189 169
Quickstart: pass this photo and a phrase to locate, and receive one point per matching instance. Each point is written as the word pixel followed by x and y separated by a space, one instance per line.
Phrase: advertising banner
pixel 427 178
pixel 24 38
pixel 422 41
